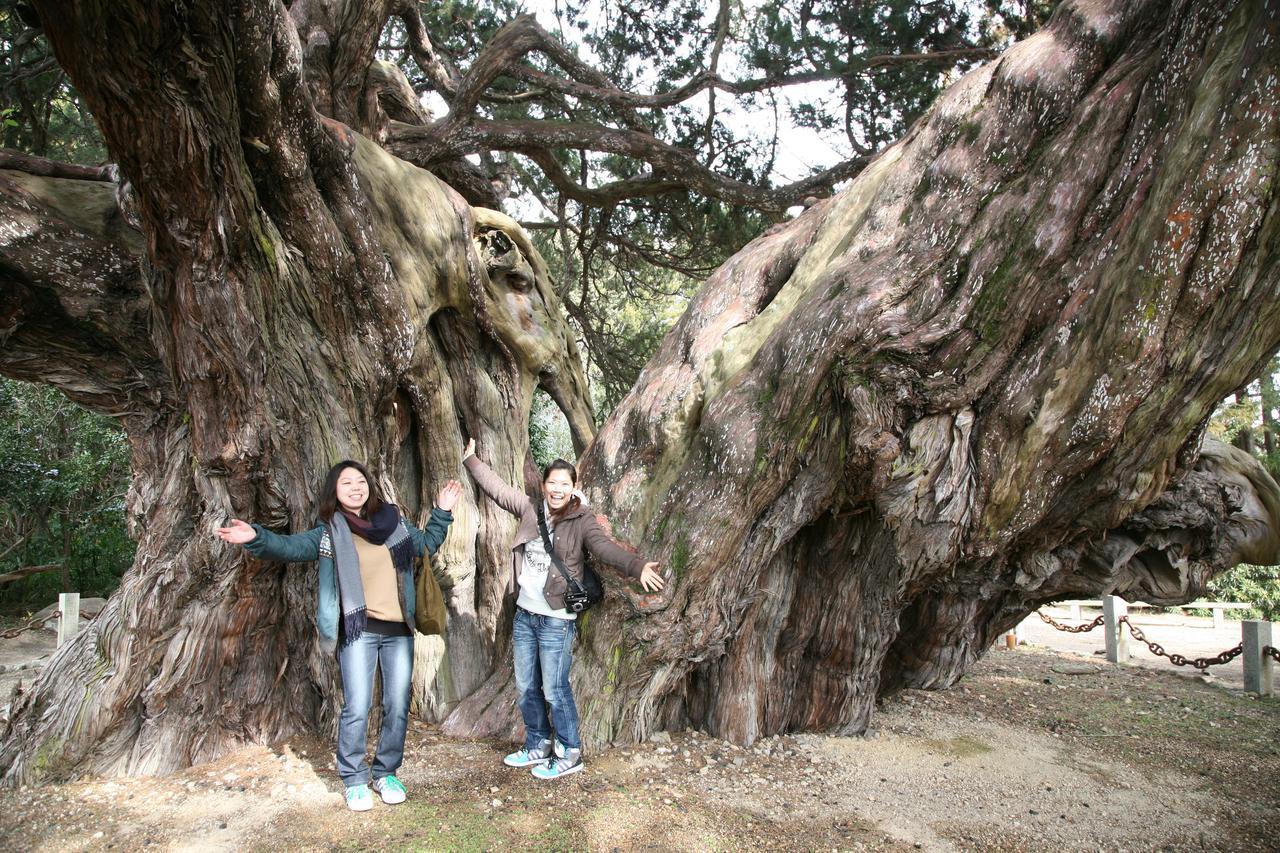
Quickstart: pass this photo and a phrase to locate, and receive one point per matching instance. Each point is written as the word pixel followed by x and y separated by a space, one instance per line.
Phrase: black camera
pixel 576 602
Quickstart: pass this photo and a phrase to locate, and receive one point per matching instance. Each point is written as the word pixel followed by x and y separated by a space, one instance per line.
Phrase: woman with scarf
pixel 366 551
pixel 543 629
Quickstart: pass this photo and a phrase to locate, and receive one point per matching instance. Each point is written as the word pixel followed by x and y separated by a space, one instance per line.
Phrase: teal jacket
pixel 315 545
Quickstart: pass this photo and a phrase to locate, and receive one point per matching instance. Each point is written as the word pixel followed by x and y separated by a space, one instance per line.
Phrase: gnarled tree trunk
pixel 973 382
pixel 303 297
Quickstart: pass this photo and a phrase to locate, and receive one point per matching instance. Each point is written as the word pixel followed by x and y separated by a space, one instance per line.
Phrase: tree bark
pixel 302 297
pixel 973 382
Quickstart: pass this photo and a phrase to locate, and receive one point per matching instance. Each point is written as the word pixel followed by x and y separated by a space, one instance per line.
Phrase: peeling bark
pixel 970 384
pixel 295 296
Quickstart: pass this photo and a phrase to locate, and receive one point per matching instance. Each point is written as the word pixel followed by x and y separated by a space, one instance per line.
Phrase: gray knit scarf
pixel 347 563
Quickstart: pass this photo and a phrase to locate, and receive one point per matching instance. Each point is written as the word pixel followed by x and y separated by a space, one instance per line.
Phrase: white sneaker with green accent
pixel 390 789
pixel 526 757
pixel 359 799
pixel 570 763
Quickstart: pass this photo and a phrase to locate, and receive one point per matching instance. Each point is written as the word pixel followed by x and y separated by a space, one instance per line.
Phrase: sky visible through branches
pixel 766 120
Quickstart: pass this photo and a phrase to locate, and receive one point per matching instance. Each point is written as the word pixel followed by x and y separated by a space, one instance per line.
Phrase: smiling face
pixel 352 489
pixel 557 488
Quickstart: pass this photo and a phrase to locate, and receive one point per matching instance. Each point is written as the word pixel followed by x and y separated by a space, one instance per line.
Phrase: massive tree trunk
pixel 303 297
pixel 973 382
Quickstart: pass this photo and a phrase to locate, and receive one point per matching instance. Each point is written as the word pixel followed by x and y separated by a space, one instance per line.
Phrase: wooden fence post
pixel 1113 608
pixel 1259 669
pixel 69 608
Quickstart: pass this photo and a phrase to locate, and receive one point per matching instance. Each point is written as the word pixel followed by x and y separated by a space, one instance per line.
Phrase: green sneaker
pixel 390 789
pixel 527 757
pixel 570 762
pixel 359 799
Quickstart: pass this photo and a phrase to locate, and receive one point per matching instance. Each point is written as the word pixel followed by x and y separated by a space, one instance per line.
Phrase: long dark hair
pixel 573 502
pixel 329 492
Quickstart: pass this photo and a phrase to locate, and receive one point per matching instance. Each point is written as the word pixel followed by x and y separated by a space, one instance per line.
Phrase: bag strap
pixel 551 551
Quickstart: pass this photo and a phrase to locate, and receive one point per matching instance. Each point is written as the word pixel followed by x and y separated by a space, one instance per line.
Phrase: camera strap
pixel 551 552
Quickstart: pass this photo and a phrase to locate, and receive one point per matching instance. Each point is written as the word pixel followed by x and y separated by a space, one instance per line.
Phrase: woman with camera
pixel 548 603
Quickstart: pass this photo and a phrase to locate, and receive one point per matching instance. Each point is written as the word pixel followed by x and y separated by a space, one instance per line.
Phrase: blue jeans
pixel 357 662
pixel 543 651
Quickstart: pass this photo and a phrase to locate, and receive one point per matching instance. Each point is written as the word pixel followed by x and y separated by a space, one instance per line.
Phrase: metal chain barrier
pixel 36 623
pixel 13 632
pixel 1273 651
pixel 1177 659
pixel 1078 629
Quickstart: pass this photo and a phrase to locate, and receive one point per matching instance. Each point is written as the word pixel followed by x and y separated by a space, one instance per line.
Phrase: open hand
pixel 650 579
pixel 238 532
pixel 449 494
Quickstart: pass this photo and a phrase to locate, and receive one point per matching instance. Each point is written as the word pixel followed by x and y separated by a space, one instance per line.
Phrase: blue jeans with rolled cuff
pixel 543 650
pixel 357 662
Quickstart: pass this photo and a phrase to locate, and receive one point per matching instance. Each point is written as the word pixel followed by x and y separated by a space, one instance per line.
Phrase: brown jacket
pixel 575 534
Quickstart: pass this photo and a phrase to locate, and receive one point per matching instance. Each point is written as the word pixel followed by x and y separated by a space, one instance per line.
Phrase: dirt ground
pixel 1034 750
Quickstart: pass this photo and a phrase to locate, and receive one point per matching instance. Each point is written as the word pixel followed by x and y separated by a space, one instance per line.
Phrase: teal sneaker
pixel 570 763
pixel 526 757
pixel 359 799
pixel 390 789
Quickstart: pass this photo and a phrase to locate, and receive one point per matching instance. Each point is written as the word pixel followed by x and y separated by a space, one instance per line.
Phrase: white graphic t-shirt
pixel 533 575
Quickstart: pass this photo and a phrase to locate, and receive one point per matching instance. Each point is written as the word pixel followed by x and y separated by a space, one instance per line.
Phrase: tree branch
pixel 611 96
pixel 17 543
pixel 74 312
pixel 396 97
pixel 722 32
pixel 500 57
pixel 443 76
pixel 27 571
pixel 679 168
pixel 32 165
pixel 610 193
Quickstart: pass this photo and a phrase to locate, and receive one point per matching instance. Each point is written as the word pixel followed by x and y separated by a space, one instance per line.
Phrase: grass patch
pixel 961 747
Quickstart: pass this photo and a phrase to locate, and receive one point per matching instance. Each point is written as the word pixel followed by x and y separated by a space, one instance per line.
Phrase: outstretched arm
pixel 634 566
pixel 265 545
pixel 511 499
pixel 428 541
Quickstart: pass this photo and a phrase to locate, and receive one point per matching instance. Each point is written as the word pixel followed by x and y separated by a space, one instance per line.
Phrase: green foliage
pixel 1259 585
pixel 1233 418
pixel 43 114
pixel 873 100
pixel 63 476
pixel 622 310
pixel 1250 418
pixel 549 438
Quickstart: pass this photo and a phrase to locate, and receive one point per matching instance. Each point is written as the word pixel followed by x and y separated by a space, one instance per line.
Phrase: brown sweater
pixel 576 534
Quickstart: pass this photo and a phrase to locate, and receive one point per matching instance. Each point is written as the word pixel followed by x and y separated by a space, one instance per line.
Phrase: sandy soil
pixel 1035 750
